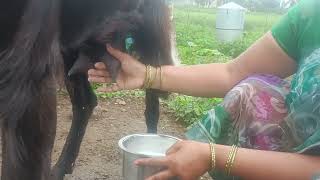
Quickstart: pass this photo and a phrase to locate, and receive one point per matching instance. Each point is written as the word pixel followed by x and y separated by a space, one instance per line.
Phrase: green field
pixel 195 31
pixel 196 44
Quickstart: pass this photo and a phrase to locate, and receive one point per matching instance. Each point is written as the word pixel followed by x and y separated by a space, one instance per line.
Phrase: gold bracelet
pixel 213 157
pixel 153 71
pixel 147 78
pixel 150 77
pixel 151 74
pixel 231 159
pixel 228 160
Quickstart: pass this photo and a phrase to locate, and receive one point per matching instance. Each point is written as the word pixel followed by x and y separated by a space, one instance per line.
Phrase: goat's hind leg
pixel 152 111
pixel 26 149
pixel 83 102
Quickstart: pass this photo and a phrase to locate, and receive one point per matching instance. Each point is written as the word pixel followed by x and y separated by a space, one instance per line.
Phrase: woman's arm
pixel 189 160
pixel 266 165
pixel 208 80
pixel 215 80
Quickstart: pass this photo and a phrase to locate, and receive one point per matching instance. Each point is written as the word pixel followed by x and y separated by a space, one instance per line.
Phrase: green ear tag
pixel 129 43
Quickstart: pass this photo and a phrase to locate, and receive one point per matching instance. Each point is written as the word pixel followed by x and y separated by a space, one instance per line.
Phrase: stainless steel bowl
pixel 139 146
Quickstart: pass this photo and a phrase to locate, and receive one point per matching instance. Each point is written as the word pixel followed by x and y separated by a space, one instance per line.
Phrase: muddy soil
pixel 99 157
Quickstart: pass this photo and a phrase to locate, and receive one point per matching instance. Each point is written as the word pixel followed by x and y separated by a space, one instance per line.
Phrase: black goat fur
pixel 38 35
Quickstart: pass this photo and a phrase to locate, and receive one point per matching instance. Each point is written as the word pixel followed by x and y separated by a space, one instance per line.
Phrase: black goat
pixel 32 31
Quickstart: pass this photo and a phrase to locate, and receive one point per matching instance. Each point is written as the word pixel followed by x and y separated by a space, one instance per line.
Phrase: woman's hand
pixel 131 74
pixel 187 160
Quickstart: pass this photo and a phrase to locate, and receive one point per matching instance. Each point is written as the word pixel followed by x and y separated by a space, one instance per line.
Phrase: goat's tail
pixel 155 39
pixel 24 64
pixel 156 32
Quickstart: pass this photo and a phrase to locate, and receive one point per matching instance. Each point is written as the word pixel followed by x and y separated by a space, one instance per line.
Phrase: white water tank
pixel 230 22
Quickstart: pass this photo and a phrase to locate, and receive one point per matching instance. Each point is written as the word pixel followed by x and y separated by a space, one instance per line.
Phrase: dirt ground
pixel 99 157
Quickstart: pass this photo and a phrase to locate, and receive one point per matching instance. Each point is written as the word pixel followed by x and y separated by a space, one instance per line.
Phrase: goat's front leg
pixel 152 111
pixel 83 102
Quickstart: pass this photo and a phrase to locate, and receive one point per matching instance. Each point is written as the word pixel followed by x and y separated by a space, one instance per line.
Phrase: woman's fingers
pixel 118 54
pixel 164 175
pixel 98 79
pixel 152 162
pixel 173 150
pixel 100 66
pixel 176 147
pixel 98 73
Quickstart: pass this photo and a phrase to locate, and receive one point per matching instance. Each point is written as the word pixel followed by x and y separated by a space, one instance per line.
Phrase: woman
pixel 265 128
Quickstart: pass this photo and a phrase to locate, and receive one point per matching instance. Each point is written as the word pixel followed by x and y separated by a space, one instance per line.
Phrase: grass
pixel 119 94
pixel 196 40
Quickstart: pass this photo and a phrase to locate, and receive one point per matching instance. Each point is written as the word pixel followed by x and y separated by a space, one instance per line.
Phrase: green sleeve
pixel 285 32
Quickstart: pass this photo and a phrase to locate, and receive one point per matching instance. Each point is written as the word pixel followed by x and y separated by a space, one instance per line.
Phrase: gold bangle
pixel 213 157
pixel 150 77
pixel 153 71
pixel 147 78
pixel 231 159
pixel 228 160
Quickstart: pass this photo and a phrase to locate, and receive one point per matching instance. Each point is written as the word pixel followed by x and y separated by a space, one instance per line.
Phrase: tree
pixel 259 5
pixel 204 3
pixel 221 2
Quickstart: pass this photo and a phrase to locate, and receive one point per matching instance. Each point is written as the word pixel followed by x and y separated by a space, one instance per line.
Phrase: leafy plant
pixel 132 93
pixel 189 109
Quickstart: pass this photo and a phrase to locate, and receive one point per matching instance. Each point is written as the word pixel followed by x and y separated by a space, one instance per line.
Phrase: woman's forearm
pixel 212 80
pixel 266 165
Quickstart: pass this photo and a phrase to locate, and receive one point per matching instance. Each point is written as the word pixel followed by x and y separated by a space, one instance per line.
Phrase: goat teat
pixel 84 63
pixel 81 65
